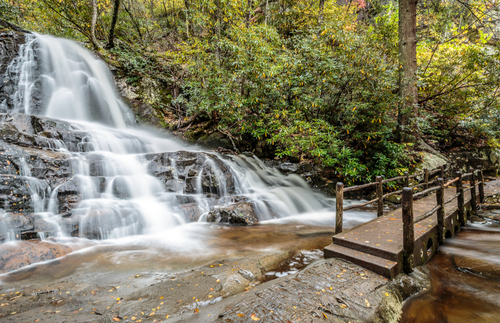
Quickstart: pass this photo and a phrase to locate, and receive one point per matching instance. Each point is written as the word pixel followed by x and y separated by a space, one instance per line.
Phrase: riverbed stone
pixel 241 213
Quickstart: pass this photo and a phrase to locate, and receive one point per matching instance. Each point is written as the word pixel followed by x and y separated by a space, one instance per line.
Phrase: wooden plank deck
pixel 378 244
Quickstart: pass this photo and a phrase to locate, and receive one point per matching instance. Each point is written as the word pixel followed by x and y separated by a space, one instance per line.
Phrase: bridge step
pixel 344 241
pixel 376 264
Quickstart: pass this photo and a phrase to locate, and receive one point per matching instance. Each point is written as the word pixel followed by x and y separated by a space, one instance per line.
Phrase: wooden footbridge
pixel 409 236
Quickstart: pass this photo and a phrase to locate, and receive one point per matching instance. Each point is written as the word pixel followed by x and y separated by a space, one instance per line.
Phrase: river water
pixel 465 279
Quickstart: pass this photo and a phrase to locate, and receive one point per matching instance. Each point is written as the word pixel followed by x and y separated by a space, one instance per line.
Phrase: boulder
pixel 16 255
pixel 264 150
pixel 216 140
pixel 191 211
pixel 241 213
pixel 395 199
pixel 430 161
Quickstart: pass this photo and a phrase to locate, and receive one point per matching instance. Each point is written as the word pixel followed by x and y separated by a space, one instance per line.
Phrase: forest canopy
pixel 313 80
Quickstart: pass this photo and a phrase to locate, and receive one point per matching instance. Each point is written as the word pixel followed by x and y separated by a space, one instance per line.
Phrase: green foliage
pixel 325 93
pixel 8 11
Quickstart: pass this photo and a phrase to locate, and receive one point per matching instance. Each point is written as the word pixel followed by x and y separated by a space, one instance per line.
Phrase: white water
pixel 78 87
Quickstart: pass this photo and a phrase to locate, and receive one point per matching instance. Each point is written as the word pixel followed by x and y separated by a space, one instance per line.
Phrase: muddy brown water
pixel 465 280
pixel 214 243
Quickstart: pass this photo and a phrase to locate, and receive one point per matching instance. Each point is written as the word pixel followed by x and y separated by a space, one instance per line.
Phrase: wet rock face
pixel 14 48
pixel 14 194
pixel 41 133
pixel 10 41
pixel 241 213
pixel 36 175
pixel 14 225
pixel 191 172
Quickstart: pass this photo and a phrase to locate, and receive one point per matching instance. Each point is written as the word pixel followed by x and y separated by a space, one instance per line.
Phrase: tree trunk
pixel 267 8
pixel 249 14
pixel 93 39
pixel 321 9
pixel 218 30
pixel 136 25
pixel 111 38
pixel 186 4
pixel 408 110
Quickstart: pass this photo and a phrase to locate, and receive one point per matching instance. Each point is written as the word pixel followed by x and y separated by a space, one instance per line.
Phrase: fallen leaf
pixel 254 317
pixel 196 310
pixel 325 315
pixel 241 315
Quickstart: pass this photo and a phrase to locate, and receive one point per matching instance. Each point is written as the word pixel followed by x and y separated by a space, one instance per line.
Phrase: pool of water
pixel 465 279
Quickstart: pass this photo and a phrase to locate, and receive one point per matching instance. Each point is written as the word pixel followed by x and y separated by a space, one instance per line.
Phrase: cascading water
pixel 127 181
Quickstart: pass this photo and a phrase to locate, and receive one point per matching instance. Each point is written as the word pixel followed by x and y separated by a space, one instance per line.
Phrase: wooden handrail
pixel 393 179
pixel 473 198
pixel 451 199
pixel 423 184
pixel 355 206
pixel 428 214
pixel 481 184
pixel 427 191
pixel 468 189
pixel 358 187
pixel 451 182
pixel 408 230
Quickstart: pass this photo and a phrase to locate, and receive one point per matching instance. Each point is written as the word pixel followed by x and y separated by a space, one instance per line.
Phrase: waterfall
pixel 128 180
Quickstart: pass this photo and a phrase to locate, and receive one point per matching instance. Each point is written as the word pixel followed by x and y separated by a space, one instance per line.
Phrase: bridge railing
pixel 408 216
pixel 340 190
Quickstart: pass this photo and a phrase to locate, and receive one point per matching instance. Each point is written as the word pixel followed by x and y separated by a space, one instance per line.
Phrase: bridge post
pixel 473 196
pixel 426 178
pixel 481 184
pixel 460 198
pixel 442 171
pixel 407 180
pixel 340 208
pixel 440 212
pixel 408 230
pixel 380 195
